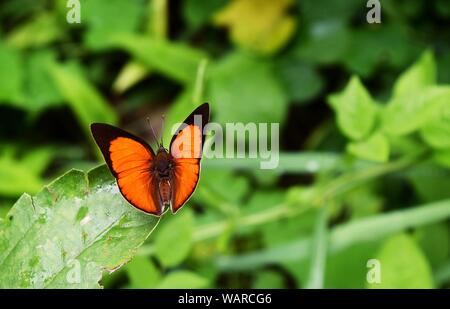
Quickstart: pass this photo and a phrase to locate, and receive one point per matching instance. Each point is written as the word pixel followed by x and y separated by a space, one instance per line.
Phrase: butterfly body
pixel 154 182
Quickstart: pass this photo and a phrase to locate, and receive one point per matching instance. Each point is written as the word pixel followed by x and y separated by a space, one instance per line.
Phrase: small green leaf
pixel 143 273
pixel 355 109
pixel 173 241
pixel 45 243
pixel 174 60
pixel 436 132
pixel 183 280
pixel 374 148
pixel 419 76
pixel 268 280
pixel 406 115
pixel 403 265
pixel 237 82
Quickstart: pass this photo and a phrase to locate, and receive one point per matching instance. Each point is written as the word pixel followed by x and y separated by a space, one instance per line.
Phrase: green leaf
pixel 83 98
pixel 237 82
pixel 403 265
pixel 182 279
pixel 173 241
pixel 406 115
pixel 419 76
pixel 11 77
pixel 355 109
pixel 436 132
pixel 143 273
pixel 72 230
pixel 107 18
pixel 174 60
pixel 40 30
pixel 374 148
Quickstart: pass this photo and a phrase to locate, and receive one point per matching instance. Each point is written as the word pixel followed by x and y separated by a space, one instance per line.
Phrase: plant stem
pixel 319 251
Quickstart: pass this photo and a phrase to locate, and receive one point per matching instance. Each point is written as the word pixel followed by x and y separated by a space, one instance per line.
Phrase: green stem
pixel 319 252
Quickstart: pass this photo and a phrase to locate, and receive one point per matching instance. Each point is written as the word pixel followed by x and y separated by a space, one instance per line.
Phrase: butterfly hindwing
pixel 186 150
pixel 129 159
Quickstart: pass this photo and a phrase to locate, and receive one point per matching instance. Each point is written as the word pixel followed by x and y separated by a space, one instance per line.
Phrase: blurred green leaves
pixel 12 77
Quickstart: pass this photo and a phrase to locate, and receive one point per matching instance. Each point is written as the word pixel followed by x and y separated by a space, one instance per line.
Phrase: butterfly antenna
pixel 153 130
pixel 163 118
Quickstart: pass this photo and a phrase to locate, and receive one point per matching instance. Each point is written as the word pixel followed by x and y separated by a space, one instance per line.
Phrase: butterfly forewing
pixel 186 150
pixel 129 159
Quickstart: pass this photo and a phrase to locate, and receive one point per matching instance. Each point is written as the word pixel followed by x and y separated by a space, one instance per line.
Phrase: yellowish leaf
pixel 260 25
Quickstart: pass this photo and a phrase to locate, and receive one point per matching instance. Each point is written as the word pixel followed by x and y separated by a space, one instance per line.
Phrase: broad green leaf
pixel 69 233
pixel 182 279
pixel 38 31
pixel 403 265
pixel 419 76
pixel 173 241
pixel 11 77
pixel 434 239
pixel 83 98
pixel 356 111
pixel 406 115
pixel 241 81
pixel 265 32
pixel 40 88
pixel 143 273
pixel 436 132
pixel 107 18
pixel 301 80
pixel 174 60
pixel 374 148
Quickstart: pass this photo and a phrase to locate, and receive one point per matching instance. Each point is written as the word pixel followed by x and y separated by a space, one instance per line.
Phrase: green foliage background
pixel 364 165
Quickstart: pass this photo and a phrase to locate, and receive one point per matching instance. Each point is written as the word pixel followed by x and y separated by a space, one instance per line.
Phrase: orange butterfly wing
pixel 186 150
pixel 129 159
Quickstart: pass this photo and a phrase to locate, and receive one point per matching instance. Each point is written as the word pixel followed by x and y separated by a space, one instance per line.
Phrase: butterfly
pixel 154 182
